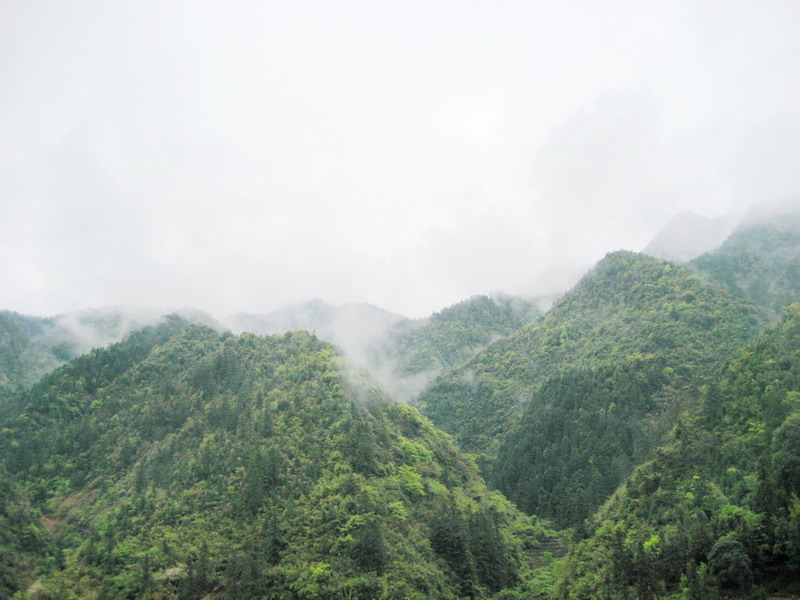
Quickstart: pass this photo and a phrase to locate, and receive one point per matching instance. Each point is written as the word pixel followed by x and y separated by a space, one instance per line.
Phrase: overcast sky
pixel 244 155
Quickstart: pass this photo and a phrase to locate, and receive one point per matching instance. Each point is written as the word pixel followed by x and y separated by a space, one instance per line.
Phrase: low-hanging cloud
pixel 404 154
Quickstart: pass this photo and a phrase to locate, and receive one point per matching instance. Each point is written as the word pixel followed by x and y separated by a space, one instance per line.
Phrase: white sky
pixel 244 155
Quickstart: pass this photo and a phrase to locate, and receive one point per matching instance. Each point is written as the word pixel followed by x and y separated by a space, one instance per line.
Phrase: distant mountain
pixel 354 327
pixel 412 353
pixel 448 338
pixel 688 235
pixel 186 463
pixel 31 346
pixel 564 409
pixel 402 354
pixel 760 261
pixel 715 513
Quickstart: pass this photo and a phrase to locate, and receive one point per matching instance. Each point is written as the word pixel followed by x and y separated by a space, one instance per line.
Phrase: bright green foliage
pixel 760 261
pixel 182 463
pixel 24 544
pixel 571 403
pixel 721 498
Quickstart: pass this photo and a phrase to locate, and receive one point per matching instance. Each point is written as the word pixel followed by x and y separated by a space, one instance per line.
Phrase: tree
pixel 729 563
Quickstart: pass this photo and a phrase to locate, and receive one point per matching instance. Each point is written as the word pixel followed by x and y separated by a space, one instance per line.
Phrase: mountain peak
pixel 688 235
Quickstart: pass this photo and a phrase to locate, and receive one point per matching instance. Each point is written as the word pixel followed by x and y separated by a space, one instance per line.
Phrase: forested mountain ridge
pixel 31 347
pixel 571 403
pixel 188 463
pixel 403 354
pixel 24 357
pixel 184 463
pixel 456 333
pixel 760 261
pixel 717 510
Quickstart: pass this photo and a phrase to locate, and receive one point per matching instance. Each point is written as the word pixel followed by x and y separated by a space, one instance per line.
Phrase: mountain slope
pixel 717 510
pixel 760 261
pixel 571 403
pixel 402 354
pixel 184 463
pixel 31 347
pixel 24 354
pixel 688 235
pixel 458 332
pixel 24 544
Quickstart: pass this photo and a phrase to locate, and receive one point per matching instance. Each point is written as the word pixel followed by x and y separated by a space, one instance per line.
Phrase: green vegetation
pixel 402 354
pixel 570 404
pixel 761 262
pixel 27 351
pixel 31 347
pixel 448 338
pixel 716 512
pixel 642 412
pixel 24 544
pixel 183 463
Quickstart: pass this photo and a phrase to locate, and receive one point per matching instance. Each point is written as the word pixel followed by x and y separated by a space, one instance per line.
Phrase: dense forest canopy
pixel 183 462
pixel 760 261
pixel 716 511
pixel 565 408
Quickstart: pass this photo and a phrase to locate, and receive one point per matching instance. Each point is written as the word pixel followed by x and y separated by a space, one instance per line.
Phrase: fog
pixel 242 156
pixel 97 328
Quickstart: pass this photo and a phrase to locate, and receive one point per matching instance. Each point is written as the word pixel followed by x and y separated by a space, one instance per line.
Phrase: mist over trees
pixel 649 416
pixel 399 300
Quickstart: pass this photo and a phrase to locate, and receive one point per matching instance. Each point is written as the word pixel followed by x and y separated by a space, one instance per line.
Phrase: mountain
pixel 716 511
pixel 350 326
pixel 187 463
pixel 356 328
pixel 28 349
pixel 32 346
pixel 448 338
pixel 402 354
pixel 760 261
pixel 563 410
pixel 688 235
pixel 413 352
